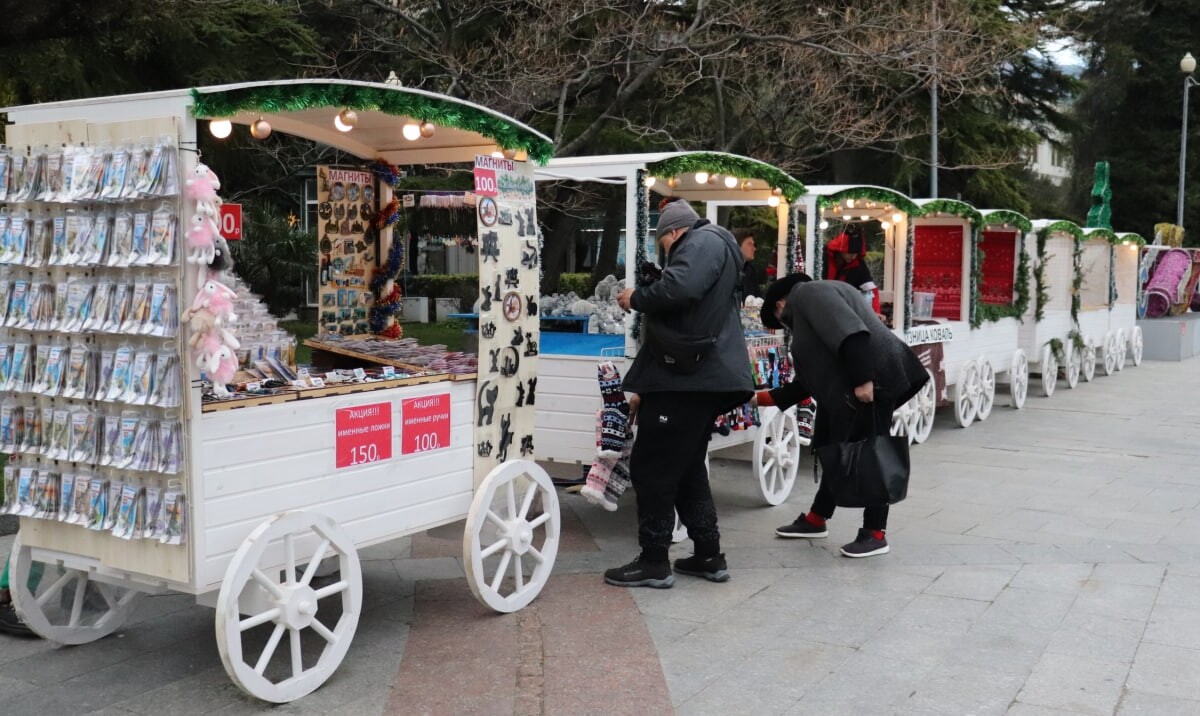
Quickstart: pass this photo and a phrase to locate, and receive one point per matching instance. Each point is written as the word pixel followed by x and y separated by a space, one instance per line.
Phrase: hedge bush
pixel 464 287
pixel 581 283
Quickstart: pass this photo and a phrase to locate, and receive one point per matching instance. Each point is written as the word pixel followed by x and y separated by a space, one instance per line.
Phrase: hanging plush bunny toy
pixel 211 311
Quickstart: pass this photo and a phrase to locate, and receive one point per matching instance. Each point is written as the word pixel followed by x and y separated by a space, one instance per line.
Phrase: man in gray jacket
pixel 692 367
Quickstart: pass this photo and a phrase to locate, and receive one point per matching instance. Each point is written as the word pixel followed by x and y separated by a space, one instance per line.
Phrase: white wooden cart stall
pixel 1045 334
pixel 1126 250
pixel 1105 327
pixel 569 397
pixel 265 504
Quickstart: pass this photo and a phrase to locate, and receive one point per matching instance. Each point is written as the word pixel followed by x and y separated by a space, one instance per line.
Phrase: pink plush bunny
pixel 217 298
pixel 202 185
pixel 201 240
pixel 223 366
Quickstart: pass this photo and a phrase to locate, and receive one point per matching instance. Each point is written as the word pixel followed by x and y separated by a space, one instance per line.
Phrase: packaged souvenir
pixel 140 241
pixel 97 503
pixel 79 241
pixel 167 380
pixel 18 375
pixel 48 485
pixel 102 295
pixel 139 165
pixel 18 304
pixel 119 382
pixel 79 500
pixel 78 304
pixel 153 513
pixel 96 249
pixel 59 240
pixel 122 454
pixel 127 512
pixel 5 171
pixel 93 177
pixel 26 484
pixel 35 175
pixel 17 174
pixel 6 283
pixel 8 494
pixel 141 379
pixel 160 248
pixel 115 488
pixel 120 252
pixel 109 432
pixel 170 444
pixel 5 364
pixel 54 370
pixel 12 425
pixel 174 518
pixel 83 436
pixel 145 446
pixel 66 500
pixel 139 307
pixel 40 230
pixel 115 174
pixel 18 231
pixel 41 355
pixel 118 308
pixel 53 176
pixel 32 440
pixel 104 371
pixel 68 175
pixel 58 441
pixel 79 372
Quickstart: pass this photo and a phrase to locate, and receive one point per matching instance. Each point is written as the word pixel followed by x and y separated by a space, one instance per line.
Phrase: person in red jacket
pixel 846 260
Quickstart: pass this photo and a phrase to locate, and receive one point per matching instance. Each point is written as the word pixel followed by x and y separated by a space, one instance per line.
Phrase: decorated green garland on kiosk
pixel 729 165
pixel 420 106
pixel 1039 270
pixel 642 196
pixel 910 243
pixel 795 259
pixel 988 312
pixel 952 207
pixel 875 194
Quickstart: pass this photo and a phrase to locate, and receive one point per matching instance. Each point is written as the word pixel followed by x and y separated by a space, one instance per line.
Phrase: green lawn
pixel 447 333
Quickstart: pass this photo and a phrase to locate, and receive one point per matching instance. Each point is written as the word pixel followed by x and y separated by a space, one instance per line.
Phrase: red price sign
pixel 231 222
pixel 426 424
pixel 364 434
pixel 485 182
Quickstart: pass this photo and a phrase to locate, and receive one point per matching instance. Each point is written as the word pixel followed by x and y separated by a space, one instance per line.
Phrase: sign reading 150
pixel 363 454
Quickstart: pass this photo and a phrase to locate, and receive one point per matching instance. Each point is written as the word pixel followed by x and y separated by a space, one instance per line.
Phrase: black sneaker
pixel 802 529
pixel 712 568
pixel 640 573
pixel 865 545
pixel 11 624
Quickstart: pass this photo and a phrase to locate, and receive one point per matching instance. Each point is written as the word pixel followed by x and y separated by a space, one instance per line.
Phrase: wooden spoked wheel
pixel 65 605
pixel 967 394
pixel 1136 345
pixel 504 536
pixel 1049 369
pixel 777 455
pixel 1074 364
pixel 1110 353
pixel 987 388
pixel 1122 349
pixel 1018 379
pixel 924 410
pixel 1089 361
pixel 265 587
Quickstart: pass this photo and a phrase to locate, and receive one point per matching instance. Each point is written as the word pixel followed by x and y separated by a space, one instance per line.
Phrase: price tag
pixel 485 182
pixel 425 424
pixel 363 434
pixel 302 373
pixel 360 373
pixel 299 384
pixel 253 386
pixel 317 382
pixel 389 372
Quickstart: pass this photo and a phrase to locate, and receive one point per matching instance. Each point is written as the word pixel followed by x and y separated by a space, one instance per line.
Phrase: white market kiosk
pixel 1106 306
pixel 263 496
pixel 569 395
pixel 1045 335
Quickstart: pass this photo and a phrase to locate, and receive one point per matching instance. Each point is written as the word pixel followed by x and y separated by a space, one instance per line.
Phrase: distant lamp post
pixel 1187 65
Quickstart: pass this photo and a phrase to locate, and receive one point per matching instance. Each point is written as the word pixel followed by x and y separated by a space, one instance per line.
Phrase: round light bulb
pixel 847 217
pixel 701 177
pixel 897 218
pixel 220 128
pixel 864 217
pixel 411 132
pixel 345 120
pixel 772 200
pixel 849 203
pixel 731 182
pixel 1188 64
pixel 823 225
pixel 777 191
pixel 427 129
pixel 509 153
pixel 746 185
pixel 885 225
pixel 712 179
pixel 649 182
pixel 497 154
pixel 261 129
pixel 672 182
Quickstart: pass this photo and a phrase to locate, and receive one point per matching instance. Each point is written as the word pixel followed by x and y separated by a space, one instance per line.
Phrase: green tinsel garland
pixel 952 207
pixel 795 259
pixel 883 196
pixel 740 167
pixel 1076 280
pixel 1067 227
pixel 977 257
pixel 910 242
pixel 1012 218
pixel 1112 276
pixel 445 112
pixel 1039 277
pixel 643 232
pixel 1130 237
pixel 1100 233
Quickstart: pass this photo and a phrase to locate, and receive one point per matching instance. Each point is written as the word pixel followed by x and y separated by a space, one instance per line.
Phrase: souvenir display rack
pixel 287 485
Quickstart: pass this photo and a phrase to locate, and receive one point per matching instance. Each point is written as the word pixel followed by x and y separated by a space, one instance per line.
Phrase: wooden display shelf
pixel 338 350
pixel 214 406
pixel 351 388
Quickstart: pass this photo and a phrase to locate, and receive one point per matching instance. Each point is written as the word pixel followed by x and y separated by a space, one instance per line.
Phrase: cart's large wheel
pixel 65 605
pixel 901 418
pixel 1018 379
pixel 503 537
pixel 1074 363
pixel 777 456
pixel 967 394
pixel 1122 349
pixel 924 410
pixel 1049 369
pixel 286 598
pixel 1110 353
pixel 1135 345
pixel 1089 361
pixel 987 388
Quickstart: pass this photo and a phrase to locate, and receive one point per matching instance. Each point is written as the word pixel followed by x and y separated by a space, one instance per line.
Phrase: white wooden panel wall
pixel 996 341
pixel 1123 317
pixel 1127 274
pixel 1094 324
pixel 1094 294
pixel 256 462
pixel 1059 272
pixel 568 397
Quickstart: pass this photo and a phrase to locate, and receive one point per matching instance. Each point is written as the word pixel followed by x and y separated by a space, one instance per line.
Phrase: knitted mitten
pixel 619 481
pixel 599 474
pixel 806 416
pixel 615 414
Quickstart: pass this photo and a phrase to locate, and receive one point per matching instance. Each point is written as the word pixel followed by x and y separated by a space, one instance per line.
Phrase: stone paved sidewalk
pixel 1046 561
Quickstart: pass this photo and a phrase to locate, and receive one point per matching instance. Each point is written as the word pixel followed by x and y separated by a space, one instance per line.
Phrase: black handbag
pixel 868 472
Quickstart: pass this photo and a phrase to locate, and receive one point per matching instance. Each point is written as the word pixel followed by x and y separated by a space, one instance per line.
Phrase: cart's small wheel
pixel 901 417
pixel 1049 370
pixel 1122 349
pixel 1135 345
pixel 1018 379
pixel 264 583
pixel 924 410
pixel 1074 364
pixel 1089 361
pixel 1110 353
pixel 503 536
pixel 777 456
pixel 65 605
pixel 987 388
pixel 967 394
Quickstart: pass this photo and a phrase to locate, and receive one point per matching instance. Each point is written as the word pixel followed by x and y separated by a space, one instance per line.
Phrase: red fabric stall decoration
pixel 999 266
pixel 937 268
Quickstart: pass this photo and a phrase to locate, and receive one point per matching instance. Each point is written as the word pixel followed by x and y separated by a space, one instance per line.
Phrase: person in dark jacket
pixel 857 370
pixel 694 297
pixel 751 283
